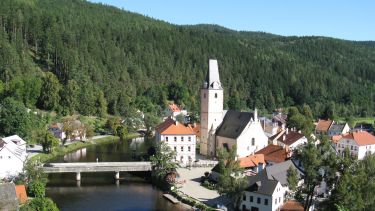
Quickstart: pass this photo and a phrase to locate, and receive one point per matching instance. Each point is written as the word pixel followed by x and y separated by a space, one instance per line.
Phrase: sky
pixel 344 19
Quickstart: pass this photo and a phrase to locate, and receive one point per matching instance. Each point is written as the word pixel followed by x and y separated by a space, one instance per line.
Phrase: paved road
pixel 193 188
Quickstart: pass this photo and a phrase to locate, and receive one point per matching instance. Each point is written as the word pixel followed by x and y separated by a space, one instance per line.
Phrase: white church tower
pixel 212 99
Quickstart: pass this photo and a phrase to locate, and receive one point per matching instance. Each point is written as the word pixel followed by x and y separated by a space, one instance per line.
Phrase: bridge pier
pixel 117 175
pixel 78 176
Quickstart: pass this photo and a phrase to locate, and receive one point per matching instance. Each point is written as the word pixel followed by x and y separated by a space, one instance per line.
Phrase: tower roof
pixel 212 77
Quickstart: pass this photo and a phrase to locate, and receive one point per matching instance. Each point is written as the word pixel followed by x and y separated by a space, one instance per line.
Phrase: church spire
pixel 212 77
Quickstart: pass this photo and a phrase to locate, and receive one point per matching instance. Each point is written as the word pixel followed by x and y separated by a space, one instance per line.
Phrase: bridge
pixel 78 168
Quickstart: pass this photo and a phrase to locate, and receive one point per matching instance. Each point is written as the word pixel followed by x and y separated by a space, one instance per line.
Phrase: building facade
pixel 12 156
pixel 359 144
pixel 180 138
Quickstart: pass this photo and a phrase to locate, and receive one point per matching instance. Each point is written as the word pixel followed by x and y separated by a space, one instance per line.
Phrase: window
pixel 253 141
pixel 248 148
pixel 189 138
pixel 175 138
pixel 244 197
pixel 275 201
pixel 265 201
pixel 251 198
pixel 1 157
pixel 181 158
pixel 182 138
pixel 215 95
pixel 189 148
pixel 279 199
pixel 351 147
pixel 258 200
pixel 166 139
pixel 204 95
pixel 182 149
pixel 175 149
pixel 8 157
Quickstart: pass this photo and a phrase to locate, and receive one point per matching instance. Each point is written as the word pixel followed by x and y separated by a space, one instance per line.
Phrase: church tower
pixel 212 99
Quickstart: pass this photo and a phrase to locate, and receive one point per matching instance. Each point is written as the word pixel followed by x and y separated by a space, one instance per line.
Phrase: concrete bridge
pixel 78 168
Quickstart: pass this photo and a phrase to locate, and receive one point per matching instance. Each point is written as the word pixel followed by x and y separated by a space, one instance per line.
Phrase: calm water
pixel 99 191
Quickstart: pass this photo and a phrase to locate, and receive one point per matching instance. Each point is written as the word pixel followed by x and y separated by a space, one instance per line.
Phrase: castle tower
pixel 212 98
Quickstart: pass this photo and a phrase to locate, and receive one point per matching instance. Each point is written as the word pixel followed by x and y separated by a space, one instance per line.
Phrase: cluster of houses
pixel 264 146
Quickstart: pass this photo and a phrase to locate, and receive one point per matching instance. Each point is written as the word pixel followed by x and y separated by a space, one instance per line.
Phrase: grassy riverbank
pixel 62 150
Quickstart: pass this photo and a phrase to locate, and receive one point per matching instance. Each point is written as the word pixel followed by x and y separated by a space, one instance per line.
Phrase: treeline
pixel 74 56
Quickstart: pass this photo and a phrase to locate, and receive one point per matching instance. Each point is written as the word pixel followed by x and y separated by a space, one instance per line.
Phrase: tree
pixel 164 160
pixel 101 104
pixel 112 124
pixel 36 188
pixel 14 118
pixel 49 97
pixel 40 204
pixel 231 180
pixel 89 131
pixel 46 139
pixel 292 178
pixel 69 97
pixel 150 122
pixel 122 132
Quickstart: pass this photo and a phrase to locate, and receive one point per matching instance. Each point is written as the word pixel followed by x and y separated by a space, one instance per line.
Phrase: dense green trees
pixel 14 118
pixel 75 56
pixel 164 160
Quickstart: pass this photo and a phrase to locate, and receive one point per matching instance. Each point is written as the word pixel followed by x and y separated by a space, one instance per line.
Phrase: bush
pixel 40 204
pixel 36 189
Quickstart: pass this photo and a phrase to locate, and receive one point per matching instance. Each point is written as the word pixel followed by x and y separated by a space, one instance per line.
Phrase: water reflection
pixel 100 191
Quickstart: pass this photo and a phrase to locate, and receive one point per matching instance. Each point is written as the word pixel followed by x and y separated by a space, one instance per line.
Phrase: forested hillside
pixel 74 56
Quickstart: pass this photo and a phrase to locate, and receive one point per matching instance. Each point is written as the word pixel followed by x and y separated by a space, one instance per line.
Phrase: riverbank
pixel 62 150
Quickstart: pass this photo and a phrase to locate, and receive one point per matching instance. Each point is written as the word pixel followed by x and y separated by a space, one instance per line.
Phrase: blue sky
pixel 345 19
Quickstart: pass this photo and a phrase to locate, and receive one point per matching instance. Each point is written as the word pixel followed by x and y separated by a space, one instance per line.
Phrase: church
pixel 223 129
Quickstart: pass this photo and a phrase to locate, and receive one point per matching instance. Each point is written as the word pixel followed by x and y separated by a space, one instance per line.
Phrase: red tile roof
pixel 292 205
pixel 323 125
pixel 197 129
pixel 252 161
pixel 21 193
pixel 274 153
pixel 174 107
pixel 362 138
pixel 336 138
pixel 172 127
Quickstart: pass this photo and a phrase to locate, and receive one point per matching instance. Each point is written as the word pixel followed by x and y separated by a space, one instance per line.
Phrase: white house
pixel 262 194
pixel 179 137
pixel 266 190
pixel 12 156
pixel 338 129
pixel 223 129
pixel 288 138
pixel 359 143
pixel 79 130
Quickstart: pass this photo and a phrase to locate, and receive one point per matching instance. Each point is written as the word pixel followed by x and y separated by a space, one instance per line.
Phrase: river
pixel 99 191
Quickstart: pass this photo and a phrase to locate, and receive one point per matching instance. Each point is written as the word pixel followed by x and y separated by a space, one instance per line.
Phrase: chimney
pixel 255 115
pixel 284 137
pixel 176 122
pixel 286 131
pixel 195 124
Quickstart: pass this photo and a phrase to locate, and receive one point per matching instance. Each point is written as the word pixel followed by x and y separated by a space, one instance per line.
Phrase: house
pixel 275 154
pixel 266 190
pixel 77 127
pixel 338 129
pixel 262 193
pixel 12 156
pixel 279 118
pixel 223 129
pixel 180 137
pixel 8 197
pixel 359 143
pixel 270 128
pixel 288 138
pixel 253 163
pixel 323 126
pixel 174 110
